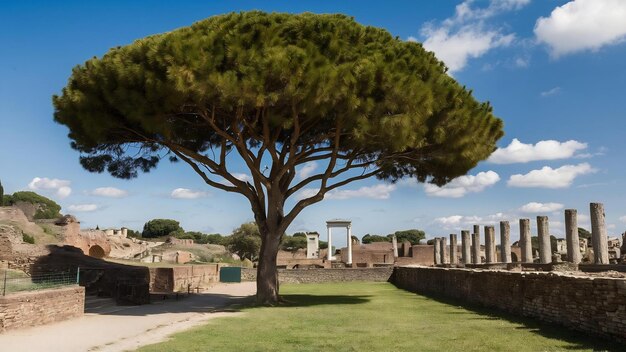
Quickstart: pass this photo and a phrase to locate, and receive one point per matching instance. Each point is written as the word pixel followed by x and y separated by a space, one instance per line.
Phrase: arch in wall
pixel 96 251
pixel 514 258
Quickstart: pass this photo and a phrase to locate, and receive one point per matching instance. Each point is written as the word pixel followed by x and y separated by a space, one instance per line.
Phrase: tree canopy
pixel 245 241
pixel 374 238
pixel 413 235
pixel 584 233
pixel 161 227
pixel 46 208
pixel 276 90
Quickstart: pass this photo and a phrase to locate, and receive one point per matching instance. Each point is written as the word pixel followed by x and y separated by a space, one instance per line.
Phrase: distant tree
pixel 293 243
pixel 215 238
pixel 1 194
pixel 414 236
pixel 199 237
pixel 46 208
pixel 534 240
pixel 374 238
pixel 281 90
pixel 161 227
pixel 28 238
pixel 130 233
pixel 583 233
pixel 430 242
pixel 181 234
pixel 245 241
pixel 323 244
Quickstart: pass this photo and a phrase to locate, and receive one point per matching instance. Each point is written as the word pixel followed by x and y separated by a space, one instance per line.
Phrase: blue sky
pixel 553 70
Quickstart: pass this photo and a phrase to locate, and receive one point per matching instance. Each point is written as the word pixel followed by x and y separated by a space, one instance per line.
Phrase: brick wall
pixel 590 304
pixel 179 278
pixel 325 275
pixel 26 309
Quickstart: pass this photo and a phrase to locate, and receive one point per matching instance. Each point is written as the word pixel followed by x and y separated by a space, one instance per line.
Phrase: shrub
pixel 28 238
pixel 161 227
pixel 46 208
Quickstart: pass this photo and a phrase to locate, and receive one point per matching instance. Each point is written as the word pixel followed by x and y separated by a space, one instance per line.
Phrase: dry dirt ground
pixel 107 327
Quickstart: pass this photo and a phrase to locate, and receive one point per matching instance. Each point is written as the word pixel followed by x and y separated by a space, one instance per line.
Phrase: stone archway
pixel 96 251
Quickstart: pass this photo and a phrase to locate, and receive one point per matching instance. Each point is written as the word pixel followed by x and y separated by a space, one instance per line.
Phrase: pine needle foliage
pixel 277 91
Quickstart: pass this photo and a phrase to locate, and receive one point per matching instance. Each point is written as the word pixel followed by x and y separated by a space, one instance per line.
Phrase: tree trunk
pixel 267 274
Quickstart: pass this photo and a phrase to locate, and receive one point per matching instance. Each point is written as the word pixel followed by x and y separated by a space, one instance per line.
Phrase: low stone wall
pixel 589 304
pixel 182 278
pixel 301 276
pixel 26 309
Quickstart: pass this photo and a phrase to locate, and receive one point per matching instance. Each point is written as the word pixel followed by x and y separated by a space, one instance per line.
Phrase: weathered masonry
pixel 381 274
pixel 31 308
pixel 593 305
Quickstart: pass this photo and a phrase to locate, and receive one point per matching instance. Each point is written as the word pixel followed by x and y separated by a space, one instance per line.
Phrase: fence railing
pixel 17 281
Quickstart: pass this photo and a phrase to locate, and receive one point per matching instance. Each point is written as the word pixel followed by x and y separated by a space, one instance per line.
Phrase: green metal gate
pixel 230 274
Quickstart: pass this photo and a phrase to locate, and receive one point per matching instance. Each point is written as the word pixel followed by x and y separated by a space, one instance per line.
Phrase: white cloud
pixel 456 48
pixel 60 187
pixel 185 193
pixel 449 220
pixel 582 25
pixel 465 35
pixel 63 192
pixel 550 92
pixel 548 177
pixel 622 218
pixel 460 186
pixel 522 62
pixel 242 177
pixel 110 192
pixel 535 207
pixel 380 191
pixel 464 11
pixel 457 222
pixel 307 170
pixel 83 207
pixel 518 152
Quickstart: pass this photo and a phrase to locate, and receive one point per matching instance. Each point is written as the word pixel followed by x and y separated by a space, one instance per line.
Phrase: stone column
pixel 453 249
pixel 437 250
pixel 466 254
pixel 349 230
pixel 505 242
pixel 545 248
pixel 524 240
pixel 444 250
pixel 394 244
pixel 571 236
pixel 476 247
pixel 598 234
pixel 490 244
pixel 330 243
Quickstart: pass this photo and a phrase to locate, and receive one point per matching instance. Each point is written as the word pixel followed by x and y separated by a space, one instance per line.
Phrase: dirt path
pixel 115 328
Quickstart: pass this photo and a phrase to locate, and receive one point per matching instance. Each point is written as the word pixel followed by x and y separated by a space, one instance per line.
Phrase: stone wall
pixel 301 276
pixel 26 309
pixel 592 305
pixel 183 278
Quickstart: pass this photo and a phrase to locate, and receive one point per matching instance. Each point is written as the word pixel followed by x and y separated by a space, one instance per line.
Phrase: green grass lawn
pixel 373 317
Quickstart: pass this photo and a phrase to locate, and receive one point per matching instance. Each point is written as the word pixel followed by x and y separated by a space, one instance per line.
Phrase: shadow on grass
pixel 579 340
pixel 195 303
pixel 293 300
